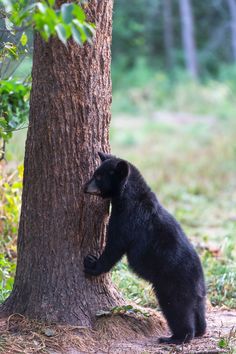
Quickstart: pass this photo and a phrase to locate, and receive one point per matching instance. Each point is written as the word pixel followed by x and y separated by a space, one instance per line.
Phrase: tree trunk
pixel 69 121
pixel 188 38
pixel 168 33
pixel 232 9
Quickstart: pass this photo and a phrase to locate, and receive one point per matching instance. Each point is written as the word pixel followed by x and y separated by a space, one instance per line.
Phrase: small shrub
pixel 10 200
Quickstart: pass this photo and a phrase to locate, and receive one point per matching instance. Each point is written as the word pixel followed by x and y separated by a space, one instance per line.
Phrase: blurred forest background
pixel 174 116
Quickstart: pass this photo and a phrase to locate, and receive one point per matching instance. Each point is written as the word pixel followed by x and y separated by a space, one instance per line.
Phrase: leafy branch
pixel 68 21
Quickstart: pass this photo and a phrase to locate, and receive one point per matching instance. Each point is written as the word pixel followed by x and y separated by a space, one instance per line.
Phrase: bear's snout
pixel 91 187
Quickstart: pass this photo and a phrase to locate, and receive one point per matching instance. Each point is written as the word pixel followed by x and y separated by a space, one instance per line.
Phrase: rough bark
pixel 188 38
pixel 168 33
pixel 69 121
pixel 232 9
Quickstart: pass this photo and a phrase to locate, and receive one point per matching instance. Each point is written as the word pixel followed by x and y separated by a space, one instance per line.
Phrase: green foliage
pixel 129 31
pixel 7 271
pixel 221 274
pixel 10 193
pixel 9 50
pixel 222 343
pixel 10 200
pixel 140 31
pixel 67 22
pixel 14 107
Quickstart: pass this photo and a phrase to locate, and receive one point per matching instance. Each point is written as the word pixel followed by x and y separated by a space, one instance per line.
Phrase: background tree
pixel 168 33
pixel 69 119
pixel 232 9
pixel 188 37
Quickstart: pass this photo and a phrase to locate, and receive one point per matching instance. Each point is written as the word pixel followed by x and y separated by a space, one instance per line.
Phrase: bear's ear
pixel 122 169
pixel 104 156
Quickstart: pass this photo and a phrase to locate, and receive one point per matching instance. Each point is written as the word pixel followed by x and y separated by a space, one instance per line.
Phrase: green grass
pixel 145 90
pixel 132 287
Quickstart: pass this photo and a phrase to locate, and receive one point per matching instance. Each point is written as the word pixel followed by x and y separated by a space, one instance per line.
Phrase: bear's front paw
pixel 90 265
pixel 90 261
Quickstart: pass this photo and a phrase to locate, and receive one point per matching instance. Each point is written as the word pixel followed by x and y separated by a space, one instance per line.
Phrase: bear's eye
pixel 98 177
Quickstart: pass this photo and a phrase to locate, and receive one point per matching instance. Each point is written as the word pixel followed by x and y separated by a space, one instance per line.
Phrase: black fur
pixel 156 247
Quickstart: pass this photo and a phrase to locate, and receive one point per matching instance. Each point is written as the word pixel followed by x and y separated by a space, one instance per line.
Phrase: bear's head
pixel 109 178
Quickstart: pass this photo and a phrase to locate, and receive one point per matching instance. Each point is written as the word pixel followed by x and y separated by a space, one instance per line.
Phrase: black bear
pixel 155 244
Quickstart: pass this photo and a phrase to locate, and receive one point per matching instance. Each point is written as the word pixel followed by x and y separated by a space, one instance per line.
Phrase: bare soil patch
pixel 221 331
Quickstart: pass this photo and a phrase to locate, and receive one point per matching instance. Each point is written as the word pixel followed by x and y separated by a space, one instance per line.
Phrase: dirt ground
pixel 221 332
pixel 21 336
pixel 221 328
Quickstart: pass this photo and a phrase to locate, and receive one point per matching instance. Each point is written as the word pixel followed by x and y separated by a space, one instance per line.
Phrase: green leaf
pixel 16 185
pixel 24 39
pixel 222 343
pixel 103 313
pixel 90 28
pixel 67 12
pixel 8 5
pixel 51 2
pixel 8 24
pixel 80 28
pixel 68 30
pixel 11 49
pixel 76 35
pixel 79 13
pixel 46 31
pixel 52 17
pixel 128 307
pixel 61 32
pixel 41 7
pixel 3 122
pixel 30 7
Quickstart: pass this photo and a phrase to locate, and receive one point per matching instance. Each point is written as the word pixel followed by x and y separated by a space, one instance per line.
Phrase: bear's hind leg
pixel 173 340
pixel 181 321
pixel 200 321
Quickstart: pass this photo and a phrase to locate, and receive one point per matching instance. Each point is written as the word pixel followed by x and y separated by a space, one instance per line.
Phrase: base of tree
pixel 100 294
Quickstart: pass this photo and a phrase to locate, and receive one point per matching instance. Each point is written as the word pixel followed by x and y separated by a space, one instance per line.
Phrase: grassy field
pixel 190 162
pixel 186 150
